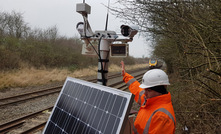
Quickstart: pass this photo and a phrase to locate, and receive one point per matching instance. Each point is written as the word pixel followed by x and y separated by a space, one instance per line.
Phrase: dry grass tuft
pixel 28 76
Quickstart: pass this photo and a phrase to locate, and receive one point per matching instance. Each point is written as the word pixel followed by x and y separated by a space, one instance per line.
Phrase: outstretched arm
pixel 133 85
pixel 122 68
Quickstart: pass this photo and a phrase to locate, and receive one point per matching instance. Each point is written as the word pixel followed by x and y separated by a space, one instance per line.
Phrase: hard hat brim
pixel 145 86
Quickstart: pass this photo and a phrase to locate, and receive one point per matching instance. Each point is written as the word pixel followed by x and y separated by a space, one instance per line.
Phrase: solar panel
pixel 88 108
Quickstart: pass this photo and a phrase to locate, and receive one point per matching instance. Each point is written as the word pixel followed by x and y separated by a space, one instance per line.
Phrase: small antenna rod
pixel 107 15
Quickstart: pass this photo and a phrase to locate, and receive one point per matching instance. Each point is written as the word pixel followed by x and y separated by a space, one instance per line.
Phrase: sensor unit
pixel 83 8
pixel 106 34
pixel 119 50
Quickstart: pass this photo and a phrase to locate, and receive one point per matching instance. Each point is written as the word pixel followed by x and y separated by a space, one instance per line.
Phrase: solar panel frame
pixel 112 94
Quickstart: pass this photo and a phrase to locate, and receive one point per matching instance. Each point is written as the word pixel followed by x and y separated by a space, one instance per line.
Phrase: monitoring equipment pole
pixel 104 41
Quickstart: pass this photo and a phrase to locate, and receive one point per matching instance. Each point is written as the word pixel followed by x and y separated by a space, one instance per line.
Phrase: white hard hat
pixel 154 77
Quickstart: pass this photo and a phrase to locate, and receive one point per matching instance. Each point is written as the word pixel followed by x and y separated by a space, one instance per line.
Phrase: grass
pixel 29 76
pixel 192 109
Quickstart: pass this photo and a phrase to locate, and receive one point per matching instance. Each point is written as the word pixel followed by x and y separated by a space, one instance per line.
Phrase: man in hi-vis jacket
pixel 156 114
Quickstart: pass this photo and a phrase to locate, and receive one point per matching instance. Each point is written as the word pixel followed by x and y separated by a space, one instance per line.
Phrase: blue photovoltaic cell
pixel 88 108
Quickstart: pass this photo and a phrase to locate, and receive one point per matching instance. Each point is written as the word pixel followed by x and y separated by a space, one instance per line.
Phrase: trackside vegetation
pixel 37 47
pixel 186 35
pixel 39 56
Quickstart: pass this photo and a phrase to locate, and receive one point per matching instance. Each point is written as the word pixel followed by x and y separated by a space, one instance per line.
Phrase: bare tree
pixel 186 35
pixel 13 24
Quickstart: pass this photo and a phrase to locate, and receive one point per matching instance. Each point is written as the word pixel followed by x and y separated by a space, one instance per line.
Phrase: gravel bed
pixel 16 91
pixel 13 112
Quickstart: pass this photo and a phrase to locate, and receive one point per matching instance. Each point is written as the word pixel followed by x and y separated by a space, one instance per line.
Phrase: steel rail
pixel 20 121
pixel 33 96
pixel 47 91
pixel 14 123
pixel 36 128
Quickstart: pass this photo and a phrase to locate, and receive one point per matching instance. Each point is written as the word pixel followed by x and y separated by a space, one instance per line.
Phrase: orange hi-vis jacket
pixel 156 115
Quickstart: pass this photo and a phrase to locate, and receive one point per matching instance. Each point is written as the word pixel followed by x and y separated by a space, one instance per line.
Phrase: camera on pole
pixel 129 31
pixel 103 43
pixel 84 28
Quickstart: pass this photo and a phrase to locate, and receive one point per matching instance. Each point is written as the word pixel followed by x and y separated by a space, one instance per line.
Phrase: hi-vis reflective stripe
pixel 140 94
pixel 146 129
pixel 130 81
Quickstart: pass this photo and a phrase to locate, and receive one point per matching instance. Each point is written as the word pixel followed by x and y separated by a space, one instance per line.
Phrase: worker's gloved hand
pixel 122 68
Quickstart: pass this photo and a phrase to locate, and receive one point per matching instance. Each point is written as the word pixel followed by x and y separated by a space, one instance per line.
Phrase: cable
pixel 101 62
pixel 108 54
pixel 85 34
pixel 87 30
pixel 104 81
pixel 92 46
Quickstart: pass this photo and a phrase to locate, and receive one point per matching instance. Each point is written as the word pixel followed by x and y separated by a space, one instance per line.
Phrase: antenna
pixel 105 40
pixel 107 15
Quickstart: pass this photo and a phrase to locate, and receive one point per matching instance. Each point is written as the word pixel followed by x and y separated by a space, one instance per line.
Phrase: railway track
pixel 28 96
pixel 25 123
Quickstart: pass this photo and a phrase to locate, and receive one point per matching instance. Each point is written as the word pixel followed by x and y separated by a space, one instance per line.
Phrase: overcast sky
pixel 62 14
